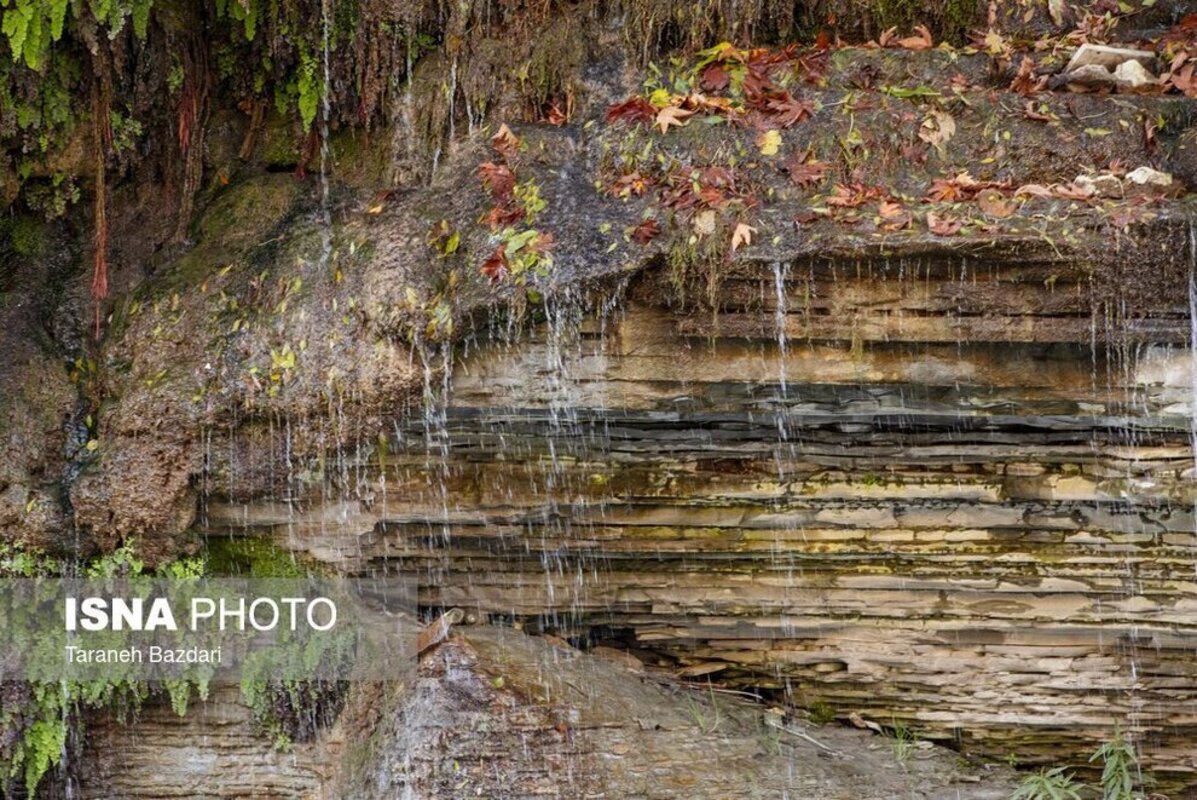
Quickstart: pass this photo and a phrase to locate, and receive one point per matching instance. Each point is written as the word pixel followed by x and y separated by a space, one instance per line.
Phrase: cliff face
pixel 874 396
pixel 496 713
pixel 988 541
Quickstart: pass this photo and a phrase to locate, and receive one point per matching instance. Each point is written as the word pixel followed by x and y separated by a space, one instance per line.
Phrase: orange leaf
pixel 922 41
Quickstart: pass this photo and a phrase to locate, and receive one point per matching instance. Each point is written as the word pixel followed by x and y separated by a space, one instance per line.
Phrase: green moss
pixel 253 557
pixel 27 236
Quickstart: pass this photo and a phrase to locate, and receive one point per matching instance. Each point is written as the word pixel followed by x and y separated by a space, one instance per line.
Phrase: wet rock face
pixel 214 753
pixel 495 713
pixel 820 493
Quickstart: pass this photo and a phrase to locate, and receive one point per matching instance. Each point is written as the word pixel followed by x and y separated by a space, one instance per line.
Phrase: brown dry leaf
pixel 804 172
pixel 943 225
pixel 715 78
pixel 646 231
pixel 1024 82
pixel 505 142
pixel 921 41
pixel 1032 190
pixel 937 129
pixel 499 179
pixel 631 184
pixel 789 109
pixel 1071 191
pixel 894 216
pixel 994 204
pixel 634 109
pixel 742 235
pixel 671 115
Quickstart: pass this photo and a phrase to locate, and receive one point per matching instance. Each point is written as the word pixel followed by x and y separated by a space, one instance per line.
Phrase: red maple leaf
pixel 634 109
pixel 498 179
pixel 496 265
pixel 646 231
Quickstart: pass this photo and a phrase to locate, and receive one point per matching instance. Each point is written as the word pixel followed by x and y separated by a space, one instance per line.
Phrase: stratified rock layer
pixel 499 714
pixel 990 539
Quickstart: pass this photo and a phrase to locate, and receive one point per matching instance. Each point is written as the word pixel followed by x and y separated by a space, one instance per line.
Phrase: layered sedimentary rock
pixel 496 713
pixel 821 490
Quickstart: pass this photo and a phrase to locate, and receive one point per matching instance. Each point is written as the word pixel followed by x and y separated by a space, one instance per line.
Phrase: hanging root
pixel 193 105
pixel 101 94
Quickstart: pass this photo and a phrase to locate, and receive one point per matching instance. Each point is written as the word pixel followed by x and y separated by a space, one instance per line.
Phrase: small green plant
pixel 707 723
pixel 528 195
pixel 1120 764
pixel 1048 784
pixel 903 743
pixel 821 712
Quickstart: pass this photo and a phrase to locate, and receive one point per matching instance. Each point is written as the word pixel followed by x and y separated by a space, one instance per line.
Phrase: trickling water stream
pixel 940 531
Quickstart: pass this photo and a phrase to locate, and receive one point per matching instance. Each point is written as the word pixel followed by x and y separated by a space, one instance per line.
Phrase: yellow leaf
pixel 742 235
pixel 376 209
pixel 769 142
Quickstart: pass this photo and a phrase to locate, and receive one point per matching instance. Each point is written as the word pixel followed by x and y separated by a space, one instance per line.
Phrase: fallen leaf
pixel 806 173
pixel 671 115
pixel 556 116
pixel 1024 82
pixel 789 110
pixel 1057 8
pixel 853 195
pixel 1032 190
pixel 961 187
pixel 994 204
pixel 769 142
pixel 937 129
pixel 714 78
pixel 922 41
pixel 631 184
pixel 498 179
pixel 943 225
pixel 496 265
pixel 646 231
pixel 635 109
pixel 741 236
pixel 505 142
pixel 894 217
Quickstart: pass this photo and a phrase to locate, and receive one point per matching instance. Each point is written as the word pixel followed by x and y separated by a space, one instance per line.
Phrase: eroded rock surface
pixel 500 714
